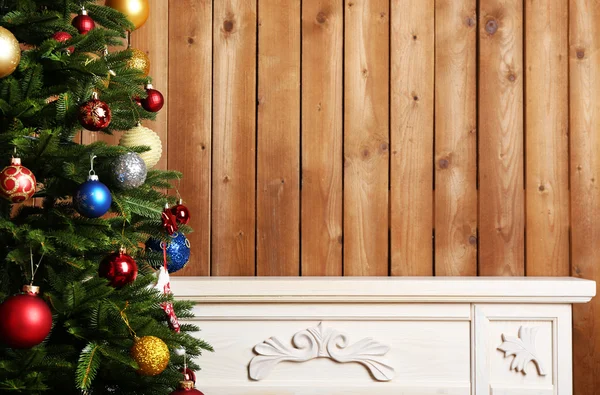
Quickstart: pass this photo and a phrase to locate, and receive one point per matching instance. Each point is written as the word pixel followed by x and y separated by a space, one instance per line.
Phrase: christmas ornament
pixel 186 388
pixel 25 319
pixel 129 171
pixel 139 61
pixel 137 11
pixel 17 183
pixel 92 199
pixel 119 268
pixel 189 375
pixel 10 52
pixel 64 37
pixel 178 250
pixel 143 136
pixel 181 213
pixel 151 354
pixel 95 114
pixel 83 22
pixel 163 285
pixel 154 101
pixel 169 220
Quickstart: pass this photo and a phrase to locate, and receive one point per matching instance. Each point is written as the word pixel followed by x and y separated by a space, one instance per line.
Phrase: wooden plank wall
pixel 387 137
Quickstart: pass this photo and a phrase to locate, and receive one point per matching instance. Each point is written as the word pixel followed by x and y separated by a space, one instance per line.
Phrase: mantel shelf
pixel 384 289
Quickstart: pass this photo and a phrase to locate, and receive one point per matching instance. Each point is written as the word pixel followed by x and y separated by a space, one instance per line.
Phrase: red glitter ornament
pixel 95 114
pixel 17 183
pixel 119 268
pixel 83 22
pixel 154 101
pixel 64 37
pixel 181 213
pixel 25 319
pixel 186 388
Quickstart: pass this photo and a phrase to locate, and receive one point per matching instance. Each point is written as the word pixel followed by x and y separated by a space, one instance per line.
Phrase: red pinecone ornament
pixel 83 22
pixel 95 114
pixel 64 37
pixel 155 100
pixel 181 213
pixel 119 268
pixel 17 183
pixel 25 319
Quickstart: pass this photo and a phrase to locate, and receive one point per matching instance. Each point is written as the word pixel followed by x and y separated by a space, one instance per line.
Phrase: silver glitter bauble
pixel 129 171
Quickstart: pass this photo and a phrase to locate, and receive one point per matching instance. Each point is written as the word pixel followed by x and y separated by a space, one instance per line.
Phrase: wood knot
pixel 541 188
pixel 383 147
pixel 190 40
pixel 350 4
pixel 228 26
pixel 382 15
pixel 416 98
pixel 225 179
pixel 365 73
pixel 473 240
pixel 365 153
pixel 415 37
pixel 512 77
pixel 470 21
pixel 491 26
pixel 202 147
pixel 444 163
pixel 321 17
pixel 580 54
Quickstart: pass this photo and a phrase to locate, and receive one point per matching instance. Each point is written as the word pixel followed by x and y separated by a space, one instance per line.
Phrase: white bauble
pixel 143 136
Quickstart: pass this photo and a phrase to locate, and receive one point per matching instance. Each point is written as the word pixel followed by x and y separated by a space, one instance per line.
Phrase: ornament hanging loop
pixel 34 269
pixel 92 172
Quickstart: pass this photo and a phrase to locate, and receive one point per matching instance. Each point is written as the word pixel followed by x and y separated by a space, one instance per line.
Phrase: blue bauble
pixel 178 251
pixel 92 198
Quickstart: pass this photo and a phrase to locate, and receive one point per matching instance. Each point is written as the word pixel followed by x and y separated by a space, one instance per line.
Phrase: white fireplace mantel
pixel 407 335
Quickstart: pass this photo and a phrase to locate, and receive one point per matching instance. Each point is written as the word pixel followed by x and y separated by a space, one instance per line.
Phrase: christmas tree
pixel 87 224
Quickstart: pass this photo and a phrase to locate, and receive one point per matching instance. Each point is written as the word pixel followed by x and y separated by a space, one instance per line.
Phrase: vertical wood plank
pixel 234 138
pixel 278 194
pixel 322 160
pixel 547 140
pixel 153 39
pixel 412 89
pixel 189 148
pixel 456 138
pixel 366 137
pixel 584 55
pixel 501 195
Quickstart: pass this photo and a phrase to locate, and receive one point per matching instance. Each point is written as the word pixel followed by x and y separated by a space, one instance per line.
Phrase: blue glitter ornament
pixel 178 251
pixel 92 198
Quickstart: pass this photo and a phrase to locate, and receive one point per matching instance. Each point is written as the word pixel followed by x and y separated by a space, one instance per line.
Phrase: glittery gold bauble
pixel 10 52
pixel 151 354
pixel 137 11
pixel 139 136
pixel 139 61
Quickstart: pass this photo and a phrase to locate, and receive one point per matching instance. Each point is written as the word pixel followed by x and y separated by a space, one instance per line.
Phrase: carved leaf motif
pixel 523 350
pixel 321 343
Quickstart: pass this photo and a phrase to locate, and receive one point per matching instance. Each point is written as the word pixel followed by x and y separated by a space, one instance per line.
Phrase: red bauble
pixel 83 22
pixel 119 268
pixel 64 37
pixel 169 221
pixel 181 213
pixel 155 100
pixel 189 375
pixel 17 183
pixel 186 388
pixel 25 319
pixel 95 115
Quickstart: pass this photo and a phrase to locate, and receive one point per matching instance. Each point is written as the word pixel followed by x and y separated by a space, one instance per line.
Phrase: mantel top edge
pixel 385 289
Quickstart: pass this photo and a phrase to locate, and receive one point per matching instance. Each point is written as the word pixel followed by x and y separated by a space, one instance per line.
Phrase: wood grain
pixel 584 60
pixel 189 123
pixel 322 139
pixel 234 138
pixel 455 138
pixel 547 140
pixel 278 194
pixel 501 195
pixel 411 115
pixel 150 38
pixel 366 137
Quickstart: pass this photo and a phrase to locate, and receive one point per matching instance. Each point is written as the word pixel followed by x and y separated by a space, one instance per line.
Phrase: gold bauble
pixel 139 136
pixel 139 61
pixel 137 11
pixel 10 52
pixel 151 354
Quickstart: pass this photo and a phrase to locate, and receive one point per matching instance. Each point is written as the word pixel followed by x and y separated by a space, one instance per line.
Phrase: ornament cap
pixel 180 201
pixel 31 289
pixel 95 95
pixel 149 86
pixel 83 11
pixel 93 177
pixel 186 385
pixel 167 205
pixel 15 161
